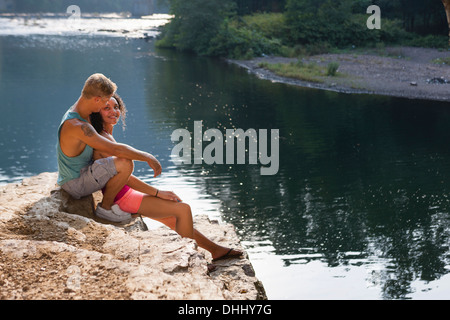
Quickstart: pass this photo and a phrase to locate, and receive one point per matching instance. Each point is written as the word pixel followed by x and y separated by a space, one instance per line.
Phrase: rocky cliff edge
pixel 53 247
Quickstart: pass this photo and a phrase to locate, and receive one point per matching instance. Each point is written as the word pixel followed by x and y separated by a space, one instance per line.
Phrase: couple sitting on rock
pixel 89 159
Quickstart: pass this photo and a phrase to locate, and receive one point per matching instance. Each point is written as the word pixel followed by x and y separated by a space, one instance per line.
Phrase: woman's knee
pixel 185 210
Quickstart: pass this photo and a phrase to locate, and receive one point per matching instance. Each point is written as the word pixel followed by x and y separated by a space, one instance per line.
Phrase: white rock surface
pixel 53 247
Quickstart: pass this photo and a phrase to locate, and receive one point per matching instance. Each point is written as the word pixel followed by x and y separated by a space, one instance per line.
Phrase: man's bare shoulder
pixel 77 127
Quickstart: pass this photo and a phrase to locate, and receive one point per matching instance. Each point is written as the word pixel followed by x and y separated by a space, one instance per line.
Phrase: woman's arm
pixel 143 187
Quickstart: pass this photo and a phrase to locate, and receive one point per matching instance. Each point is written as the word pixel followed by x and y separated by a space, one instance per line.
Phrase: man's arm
pixel 87 134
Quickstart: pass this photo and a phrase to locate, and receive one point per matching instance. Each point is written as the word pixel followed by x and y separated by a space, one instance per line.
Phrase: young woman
pixel 139 197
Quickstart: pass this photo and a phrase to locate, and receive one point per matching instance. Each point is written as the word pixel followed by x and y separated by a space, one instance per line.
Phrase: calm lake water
pixel 359 208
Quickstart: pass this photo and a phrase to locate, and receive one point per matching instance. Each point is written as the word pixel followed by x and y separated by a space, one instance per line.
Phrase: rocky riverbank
pixel 407 72
pixel 53 247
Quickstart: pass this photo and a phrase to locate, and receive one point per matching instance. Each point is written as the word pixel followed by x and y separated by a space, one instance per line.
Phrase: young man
pixel 77 174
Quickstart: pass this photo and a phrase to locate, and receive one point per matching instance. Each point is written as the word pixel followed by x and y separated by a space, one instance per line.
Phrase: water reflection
pixel 362 181
pixel 106 24
pixel 358 209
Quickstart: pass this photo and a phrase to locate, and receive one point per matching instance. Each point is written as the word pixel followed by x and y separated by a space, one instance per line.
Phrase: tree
pixel 194 24
pixel 244 7
pixel 447 12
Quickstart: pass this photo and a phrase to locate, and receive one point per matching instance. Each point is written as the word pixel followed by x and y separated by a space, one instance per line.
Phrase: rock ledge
pixel 53 247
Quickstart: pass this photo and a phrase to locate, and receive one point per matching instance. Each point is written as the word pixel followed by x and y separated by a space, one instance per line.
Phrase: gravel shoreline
pixel 400 72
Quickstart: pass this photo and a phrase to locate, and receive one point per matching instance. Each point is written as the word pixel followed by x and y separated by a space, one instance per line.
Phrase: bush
pixel 429 41
pixel 236 41
pixel 334 23
pixel 270 25
pixel 194 24
pixel 332 68
pixel 298 70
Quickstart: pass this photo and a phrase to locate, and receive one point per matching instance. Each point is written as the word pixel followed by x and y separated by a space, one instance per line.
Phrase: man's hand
pixel 155 165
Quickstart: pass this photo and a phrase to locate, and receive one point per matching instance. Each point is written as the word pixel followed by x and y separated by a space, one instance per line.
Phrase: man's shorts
pixel 92 178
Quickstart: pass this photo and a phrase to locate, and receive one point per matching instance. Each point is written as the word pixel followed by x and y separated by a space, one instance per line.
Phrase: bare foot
pixel 225 253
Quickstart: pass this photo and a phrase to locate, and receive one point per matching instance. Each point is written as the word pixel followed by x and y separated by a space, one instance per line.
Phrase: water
pixel 112 25
pixel 359 208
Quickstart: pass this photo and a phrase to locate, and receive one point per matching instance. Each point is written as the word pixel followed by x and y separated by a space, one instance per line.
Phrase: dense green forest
pixel 247 28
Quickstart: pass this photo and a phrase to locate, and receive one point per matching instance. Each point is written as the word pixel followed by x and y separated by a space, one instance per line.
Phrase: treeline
pixel 247 28
pixel 415 15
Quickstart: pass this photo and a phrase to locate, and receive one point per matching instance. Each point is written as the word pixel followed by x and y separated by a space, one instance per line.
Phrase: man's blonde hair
pixel 98 85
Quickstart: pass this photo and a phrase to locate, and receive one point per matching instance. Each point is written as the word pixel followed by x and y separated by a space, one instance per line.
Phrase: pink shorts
pixel 130 201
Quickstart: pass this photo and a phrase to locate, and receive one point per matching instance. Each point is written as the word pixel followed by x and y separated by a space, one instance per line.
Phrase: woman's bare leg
pixel 157 208
pixel 205 243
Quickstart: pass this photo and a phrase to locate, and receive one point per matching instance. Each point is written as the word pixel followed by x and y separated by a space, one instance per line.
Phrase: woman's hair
pixel 98 85
pixel 97 120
